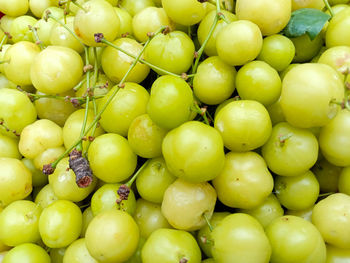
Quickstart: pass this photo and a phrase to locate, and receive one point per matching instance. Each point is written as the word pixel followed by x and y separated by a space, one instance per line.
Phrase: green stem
pixel 109 100
pixel 208 222
pixel 93 101
pixel 3 40
pixel 199 53
pixel 80 145
pixel 329 7
pixel 34 96
pixel 197 109
pixel 36 36
pixel 78 86
pixel 133 178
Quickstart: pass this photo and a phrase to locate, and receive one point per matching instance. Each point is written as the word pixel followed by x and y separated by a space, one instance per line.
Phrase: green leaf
pixel 306 20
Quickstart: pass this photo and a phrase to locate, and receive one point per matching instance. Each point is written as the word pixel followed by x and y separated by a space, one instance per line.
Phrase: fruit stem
pixel 80 145
pixel 201 111
pixel 329 7
pixel 284 138
pixel 36 36
pixel 6 128
pixel 93 101
pixel 34 97
pixel 199 53
pixel 133 178
pixel 109 100
pixel 208 222
pixel 326 194
pixel 4 38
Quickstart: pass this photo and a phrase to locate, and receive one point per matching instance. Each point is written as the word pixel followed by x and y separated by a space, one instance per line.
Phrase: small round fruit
pixel 115 63
pixel 145 137
pixel 292 231
pixel 337 255
pixel 125 22
pixel 185 12
pixel 331 217
pixel 258 81
pixel 290 151
pixel 214 81
pixel 204 234
pixel 245 181
pixel 9 147
pixel 60 36
pixel 267 211
pixel 73 125
pixel 133 7
pixel 327 175
pixel 194 151
pixel 307 92
pixel 20 28
pixel 149 20
pixel 298 4
pixel 16 111
pixel 237 121
pixel 129 103
pixel 240 238
pixel 335 141
pixel 46 196
pixel 19 223
pixel 63 183
pixel 14 8
pixel 305 48
pixel 111 158
pixel 170 245
pixel 153 180
pixel 344 181
pixel 39 136
pixel 112 236
pixel 20 57
pixel 16 181
pixel 56 69
pixel 297 192
pixel 149 217
pixel 78 253
pixel 239 42
pixel 107 198
pixel 173 51
pixel 96 16
pixel 271 16
pixel 337 33
pixel 204 28
pixel 28 253
pixel 185 204
pixel 337 57
pixel 170 102
pixel 60 224
pixel 278 51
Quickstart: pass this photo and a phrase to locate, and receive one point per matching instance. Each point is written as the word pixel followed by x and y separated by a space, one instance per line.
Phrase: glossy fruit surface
pixel 271 16
pixel 239 42
pixel 302 235
pixel 236 118
pixel 56 69
pixel 240 238
pixel 170 245
pixel 60 224
pixel 194 152
pixel 243 173
pixel 307 91
pixel 112 236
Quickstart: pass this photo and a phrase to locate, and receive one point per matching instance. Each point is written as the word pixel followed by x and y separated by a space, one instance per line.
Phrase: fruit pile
pixel 163 131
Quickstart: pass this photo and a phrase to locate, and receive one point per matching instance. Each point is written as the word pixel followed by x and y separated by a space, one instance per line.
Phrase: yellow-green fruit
pixel 271 16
